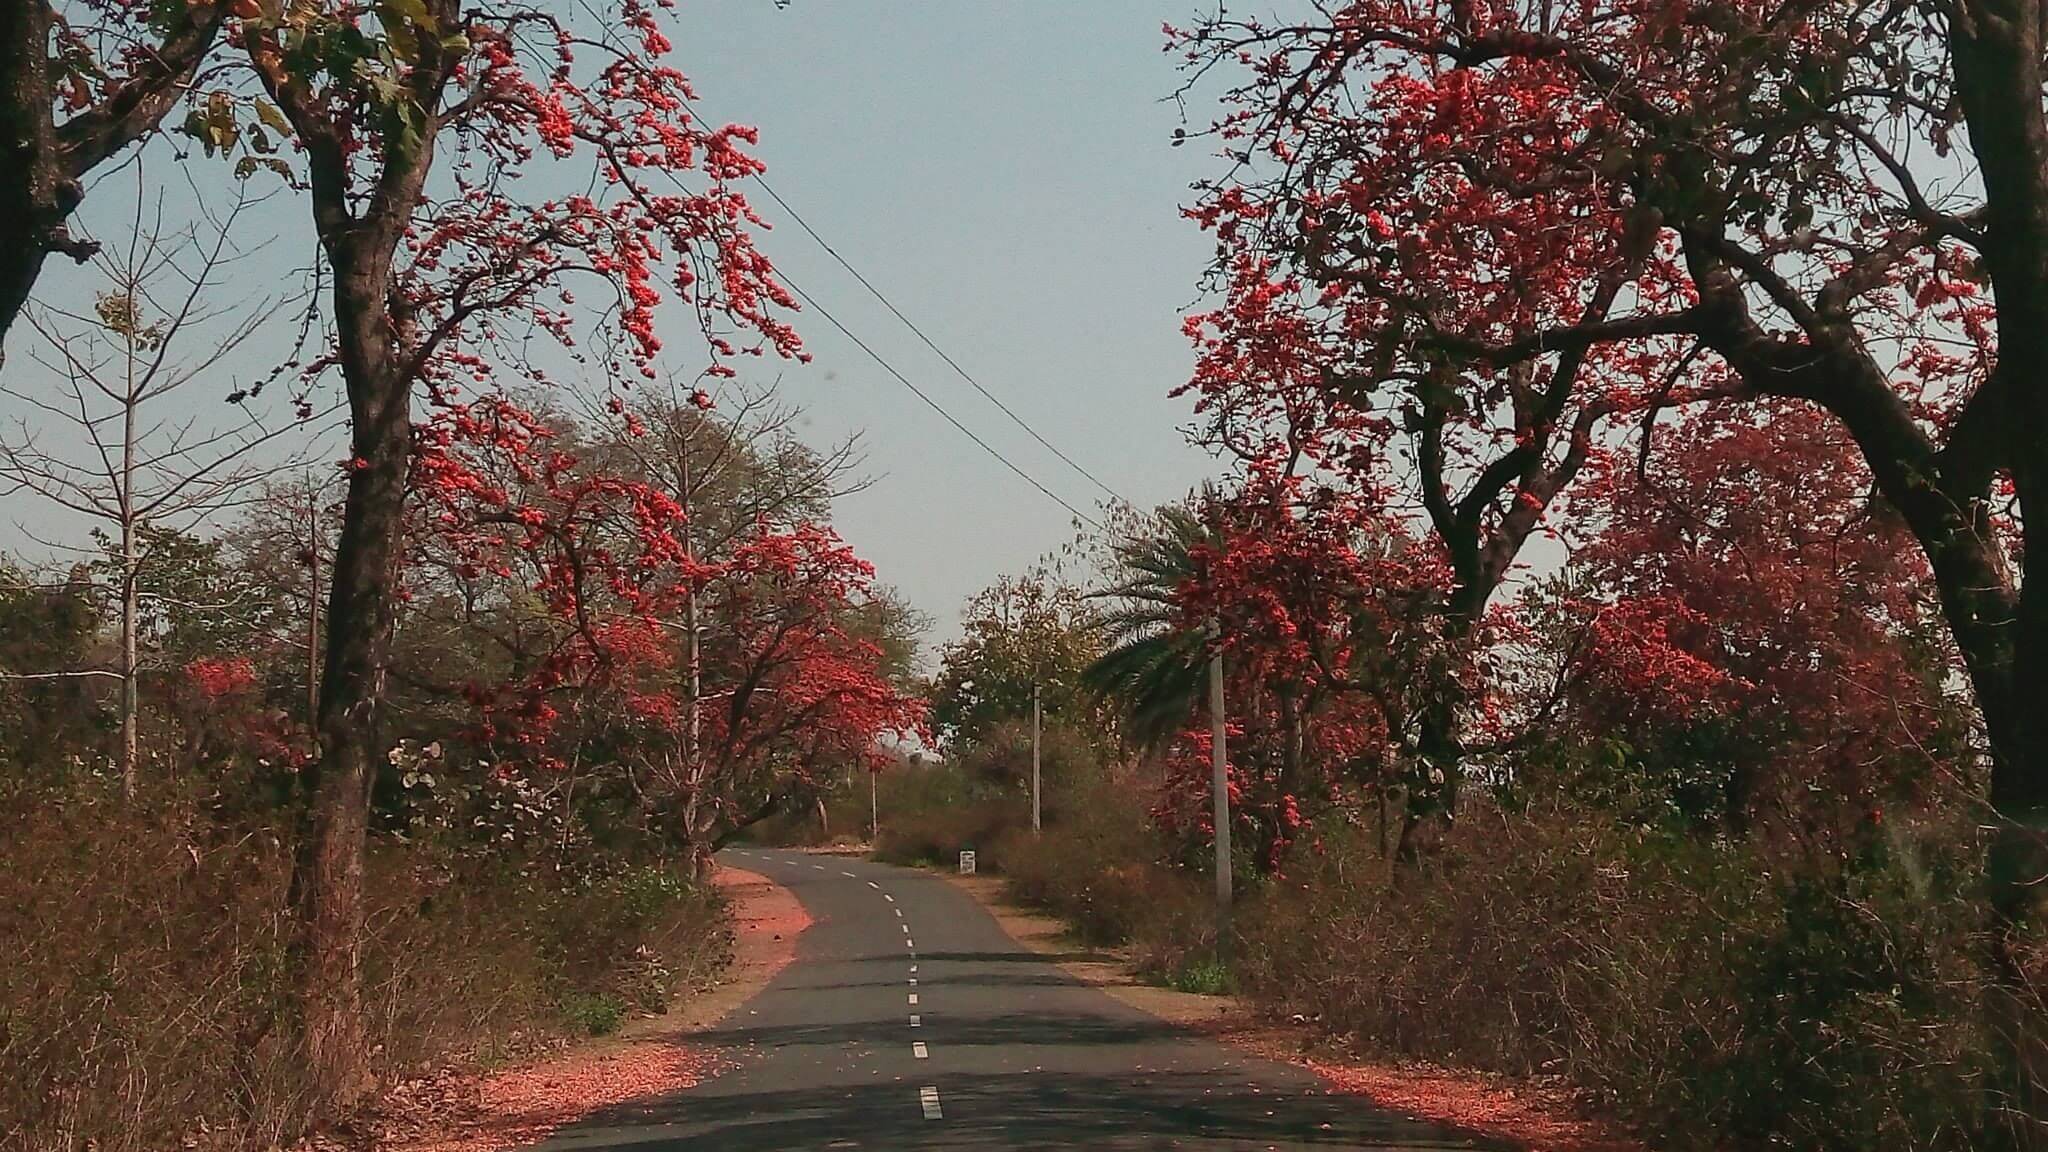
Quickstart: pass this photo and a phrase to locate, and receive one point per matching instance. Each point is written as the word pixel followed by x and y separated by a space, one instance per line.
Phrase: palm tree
pixel 1154 669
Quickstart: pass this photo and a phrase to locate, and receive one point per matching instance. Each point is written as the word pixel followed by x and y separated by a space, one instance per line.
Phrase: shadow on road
pixel 1013 1112
pixel 1002 1031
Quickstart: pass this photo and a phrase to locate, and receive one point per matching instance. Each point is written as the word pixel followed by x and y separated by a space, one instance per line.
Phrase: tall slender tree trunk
pixel 312 606
pixel 130 695
pixel 693 663
pixel 130 563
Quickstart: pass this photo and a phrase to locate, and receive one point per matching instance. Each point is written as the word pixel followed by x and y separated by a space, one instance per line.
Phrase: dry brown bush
pixel 145 998
pixel 1711 994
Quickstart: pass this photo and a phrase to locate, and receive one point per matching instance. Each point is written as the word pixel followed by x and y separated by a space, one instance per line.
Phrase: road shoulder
pixel 1530 1116
pixel 652 1056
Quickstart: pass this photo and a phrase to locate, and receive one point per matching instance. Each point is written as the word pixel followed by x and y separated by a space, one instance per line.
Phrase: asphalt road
pixel 910 1020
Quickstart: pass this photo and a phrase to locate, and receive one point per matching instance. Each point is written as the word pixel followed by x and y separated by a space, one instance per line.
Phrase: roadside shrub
pixel 932 811
pixel 594 1013
pixel 1102 867
pixel 1209 976
pixel 147 994
pixel 1097 867
pixel 1709 992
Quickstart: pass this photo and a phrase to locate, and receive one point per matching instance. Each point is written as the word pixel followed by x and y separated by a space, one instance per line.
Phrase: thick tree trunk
pixel 1997 52
pixel 1432 797
pixel 42 163
pixel 1997 48
pixel 335 821
pixel 34 196
pixel 361 611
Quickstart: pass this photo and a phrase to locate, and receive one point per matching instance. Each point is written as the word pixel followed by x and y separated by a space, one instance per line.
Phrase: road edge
pixel 1524 1115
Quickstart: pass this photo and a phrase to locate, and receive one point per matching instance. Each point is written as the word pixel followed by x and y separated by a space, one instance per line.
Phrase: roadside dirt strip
pixel 1533 1117
pixel 649 1057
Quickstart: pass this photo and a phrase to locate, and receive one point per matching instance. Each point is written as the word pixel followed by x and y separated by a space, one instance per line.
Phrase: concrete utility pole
pixel 874 809
pixel 1034 759
pixel 1221 782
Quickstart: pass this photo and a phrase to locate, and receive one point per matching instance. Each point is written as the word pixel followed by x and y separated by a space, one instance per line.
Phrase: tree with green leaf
pixel 1154 666
pixel 1019 633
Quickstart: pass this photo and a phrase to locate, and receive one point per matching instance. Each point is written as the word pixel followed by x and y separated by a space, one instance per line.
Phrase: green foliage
pixel 1153 669
pixel 1020 631
pixel 49 728
pixel 594 1013
pixel 196 598
pixel 1207 976
pixel 44 626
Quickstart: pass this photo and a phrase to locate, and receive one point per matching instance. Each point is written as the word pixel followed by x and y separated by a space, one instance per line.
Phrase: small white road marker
pixel 898 912
pixel 819 867
pixel 928 1097
pixel 848 875
pixel 905 927
pixel 913 981
pixel 909 943
pixel 913 999
pixel 913 967
pixel 872 884
pixel 885 895
pixel 916 1021
pixel 920 1051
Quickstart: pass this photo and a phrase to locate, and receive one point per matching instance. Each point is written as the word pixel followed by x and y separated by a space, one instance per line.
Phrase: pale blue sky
pixel 1001 170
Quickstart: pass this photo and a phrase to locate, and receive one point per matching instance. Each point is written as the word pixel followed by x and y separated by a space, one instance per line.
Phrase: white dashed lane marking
pixel 916 1021
pixel 918 1050
pixel 905 927
pixel 848 875
pixel 913 998
pixel 909 943
pixel 898 911
pixel 928 1098
pixel 885 895
pixel 872 884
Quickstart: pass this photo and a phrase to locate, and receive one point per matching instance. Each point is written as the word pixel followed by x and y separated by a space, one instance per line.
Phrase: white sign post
pixel 967 862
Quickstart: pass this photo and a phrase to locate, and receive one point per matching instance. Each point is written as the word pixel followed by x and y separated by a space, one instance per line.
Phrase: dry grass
pixel 146 998
pixel 1709 994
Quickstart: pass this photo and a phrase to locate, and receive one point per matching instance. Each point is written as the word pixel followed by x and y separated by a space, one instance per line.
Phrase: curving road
pixel 910 1020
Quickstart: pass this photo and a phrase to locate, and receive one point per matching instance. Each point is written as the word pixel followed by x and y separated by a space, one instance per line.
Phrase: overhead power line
pixel 812 303
pixel 920 393
pixel 991 397
pixel 934 405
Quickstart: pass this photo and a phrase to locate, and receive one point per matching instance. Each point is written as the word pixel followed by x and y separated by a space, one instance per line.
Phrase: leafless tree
pixel 112 429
